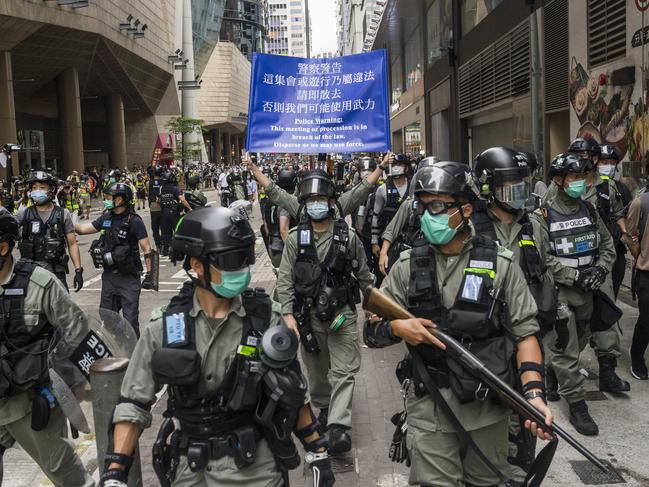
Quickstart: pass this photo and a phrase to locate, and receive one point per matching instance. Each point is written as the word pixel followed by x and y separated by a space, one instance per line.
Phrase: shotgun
pixel 377 302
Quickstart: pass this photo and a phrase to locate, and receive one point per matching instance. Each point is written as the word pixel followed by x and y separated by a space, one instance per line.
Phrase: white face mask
pixel 317 210
pixel 607 170
pixel 397 171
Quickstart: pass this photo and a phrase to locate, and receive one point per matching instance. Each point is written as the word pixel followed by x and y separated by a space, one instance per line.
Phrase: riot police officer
pixel 170 203
pixel 322 270
pixel 580 254
pixel 36 305
pixel 117 252
pixel 504 177
pixel 363 217
pixel 446 281
pixel 235 416
pixel 278 221
pixel 237 189
pixel 140 191
pixel 47 231
pixel 155 185
pixel 388 199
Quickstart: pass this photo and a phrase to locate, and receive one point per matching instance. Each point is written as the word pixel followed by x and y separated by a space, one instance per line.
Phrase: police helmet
pixel 116 174
pixel 446 177
pixel 219 235
pixel 9 230
pixel 42 177
pixel 504 174
pixel 193 181
pixel 569 162
pixel 158 170
pixel 609 152
pixel 588 145
pixel 234 177
pixel 195 198
pixel 530 158
pixel 166 177
pixel 287 179
pixel 427 162
pixel 316 183
pixel 123 190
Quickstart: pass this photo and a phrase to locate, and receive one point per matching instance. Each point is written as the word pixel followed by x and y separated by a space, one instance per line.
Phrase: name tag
pixel 305 237
pixel 481 264
pixel 36 227
pixel 252 341
pixel 175 329
pixel 14 292
pixel 106 224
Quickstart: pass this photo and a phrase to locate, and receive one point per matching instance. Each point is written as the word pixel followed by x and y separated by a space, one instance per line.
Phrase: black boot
pixel 581 420
pixel 608 379
pixel 339 440
pixel 551 385
pixel 323 417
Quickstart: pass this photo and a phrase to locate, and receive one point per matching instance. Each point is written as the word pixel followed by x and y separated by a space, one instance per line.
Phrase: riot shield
pixel 155 269
pixel 103 334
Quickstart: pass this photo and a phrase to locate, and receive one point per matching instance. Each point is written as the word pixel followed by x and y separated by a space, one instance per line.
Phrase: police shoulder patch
pixel 42 277
pixel 505 253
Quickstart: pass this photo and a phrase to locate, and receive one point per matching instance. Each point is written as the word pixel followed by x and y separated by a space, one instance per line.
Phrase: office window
pixel 439 20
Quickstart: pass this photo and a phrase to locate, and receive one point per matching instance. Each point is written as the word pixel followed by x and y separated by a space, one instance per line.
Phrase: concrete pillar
pixel 67 87
pixel 218 146
pixel 237 147
pixel 116 131
pixel 7 107
pixel 227 143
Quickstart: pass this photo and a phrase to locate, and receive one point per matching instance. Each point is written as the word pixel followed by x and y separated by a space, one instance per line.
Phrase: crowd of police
pixel 522 274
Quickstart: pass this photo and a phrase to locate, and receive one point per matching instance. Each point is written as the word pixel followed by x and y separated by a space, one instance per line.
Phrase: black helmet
pixel 166 177
pixel 158 170
pixel 530 158
pixel 123 190
pixel 609 151
pixel 220 235
pixel 234 177
pixel 42 177
pixel 287 180
pixel 569 162
pixel 195 198
pixel 316 183
pixel 589 145
pixel 115 174
pixel 9 230
pixel 451 178
pixel 193 181
pixel 367 164
pixel 504 174
pixel 427 162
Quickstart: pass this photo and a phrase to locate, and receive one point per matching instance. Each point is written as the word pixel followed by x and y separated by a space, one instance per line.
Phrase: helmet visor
pixel 316 187
pixel 435 180
pixel 514 193
pixel 233 260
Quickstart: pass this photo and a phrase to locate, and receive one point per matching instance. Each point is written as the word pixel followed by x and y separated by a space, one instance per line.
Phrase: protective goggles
pixel 233 260
pixel 435 207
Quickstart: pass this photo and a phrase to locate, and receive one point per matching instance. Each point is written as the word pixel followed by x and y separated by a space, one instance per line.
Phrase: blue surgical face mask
pixel 39 196
pixel 108 204
pixel 317 210
pixel 233 283
pixel 606 170
pixel 436 228
pixel 576 188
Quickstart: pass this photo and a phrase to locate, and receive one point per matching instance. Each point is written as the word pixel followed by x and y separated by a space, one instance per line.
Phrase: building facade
pixel 288 29
pixel 89 86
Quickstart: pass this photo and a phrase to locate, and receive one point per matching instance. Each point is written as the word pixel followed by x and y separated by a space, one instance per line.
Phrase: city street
pixel 622 419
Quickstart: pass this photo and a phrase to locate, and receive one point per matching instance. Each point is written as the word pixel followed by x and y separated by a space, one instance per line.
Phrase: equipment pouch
pixel 244 446
pixel 97 253
pixel 26 249
pixel 306 276
pixel 545 295
pixel 198 455
pixel 244 392
pixel 497 354
pixel 27 369
pixel 176 367
pixel 161 453
pixel 40 412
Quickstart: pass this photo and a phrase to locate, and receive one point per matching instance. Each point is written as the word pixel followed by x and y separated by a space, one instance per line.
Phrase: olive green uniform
pixel 50 448
pixel 349 201
pixel 432 442
pixel 217 341
pixel 575 305
pixel 398 222
pixel 331 372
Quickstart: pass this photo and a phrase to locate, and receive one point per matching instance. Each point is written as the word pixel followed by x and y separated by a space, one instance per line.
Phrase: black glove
pixel 590 279
pixel 114 477
pixel 78 279
pixel 323 476
pixel 147 283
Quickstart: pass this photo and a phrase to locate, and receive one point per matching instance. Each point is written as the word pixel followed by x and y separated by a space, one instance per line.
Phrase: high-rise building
pixel 289 32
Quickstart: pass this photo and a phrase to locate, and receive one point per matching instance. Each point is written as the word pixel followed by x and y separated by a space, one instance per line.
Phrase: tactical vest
pixel 605 211
pixel 114 242
pixel 393 201
pixel 168 200
pixel 24 351
pixel 271 219
pixel 366 229
pixel 44 241
pixel 330 283
pixel 470 320
pixel 154 189
pixel 178 364
pixel 574 239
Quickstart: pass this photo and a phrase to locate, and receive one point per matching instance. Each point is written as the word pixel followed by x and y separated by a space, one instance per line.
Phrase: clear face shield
pixel 513 186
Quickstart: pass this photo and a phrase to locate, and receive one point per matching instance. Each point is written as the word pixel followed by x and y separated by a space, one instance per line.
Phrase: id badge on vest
pixel 106 224
pixel 176 330
pixel 36 228
pixel 472 289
